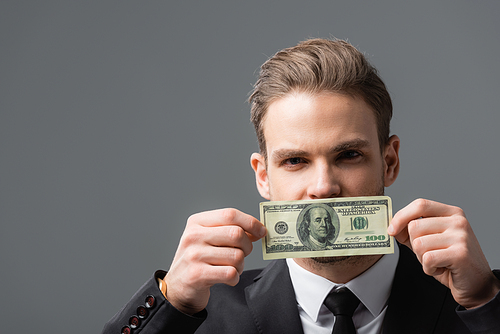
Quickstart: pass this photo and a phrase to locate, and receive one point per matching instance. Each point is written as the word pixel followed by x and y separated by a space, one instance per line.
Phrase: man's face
pixel 322 146
pixel 319 224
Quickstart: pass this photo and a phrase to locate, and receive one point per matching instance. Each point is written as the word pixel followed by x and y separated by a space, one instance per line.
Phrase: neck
pixel 340 269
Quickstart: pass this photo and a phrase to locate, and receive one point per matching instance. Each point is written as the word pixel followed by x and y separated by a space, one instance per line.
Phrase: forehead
pixel 310 121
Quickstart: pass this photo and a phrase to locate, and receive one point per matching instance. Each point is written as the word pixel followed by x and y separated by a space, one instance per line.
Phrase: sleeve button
pixel 142 312
pixel 150 301
pixel 126 330
pixel 134 322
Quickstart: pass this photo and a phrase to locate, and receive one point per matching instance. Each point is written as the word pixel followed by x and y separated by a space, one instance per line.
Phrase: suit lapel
pixel 415 304
pixel 416 299
pixel 271 300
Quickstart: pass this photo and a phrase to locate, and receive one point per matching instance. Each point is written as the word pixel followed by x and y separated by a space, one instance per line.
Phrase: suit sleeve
pixel 484 319
pixel 148 312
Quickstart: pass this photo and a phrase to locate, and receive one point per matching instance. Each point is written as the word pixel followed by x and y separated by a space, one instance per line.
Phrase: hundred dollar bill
pixel 327 227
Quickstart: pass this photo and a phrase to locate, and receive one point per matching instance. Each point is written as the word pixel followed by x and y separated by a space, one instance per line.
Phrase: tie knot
pixel 342 302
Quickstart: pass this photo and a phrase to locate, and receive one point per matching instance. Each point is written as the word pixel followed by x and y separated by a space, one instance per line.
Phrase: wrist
pixel 489 294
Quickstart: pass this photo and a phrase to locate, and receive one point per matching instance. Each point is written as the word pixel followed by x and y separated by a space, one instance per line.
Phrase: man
pixel 316 231
pixel 322 118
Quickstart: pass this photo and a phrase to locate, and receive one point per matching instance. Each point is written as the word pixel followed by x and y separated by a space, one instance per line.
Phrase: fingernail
pixel 390 229
pixel 263 231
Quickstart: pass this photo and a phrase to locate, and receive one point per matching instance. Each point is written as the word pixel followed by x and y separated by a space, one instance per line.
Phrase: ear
pixel 391 160
pixel 259 167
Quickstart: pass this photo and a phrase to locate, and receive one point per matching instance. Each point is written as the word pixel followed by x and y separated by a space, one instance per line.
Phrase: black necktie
pixel 342 303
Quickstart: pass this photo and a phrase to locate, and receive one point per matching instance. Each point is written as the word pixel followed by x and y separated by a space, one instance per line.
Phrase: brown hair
pixel 318 65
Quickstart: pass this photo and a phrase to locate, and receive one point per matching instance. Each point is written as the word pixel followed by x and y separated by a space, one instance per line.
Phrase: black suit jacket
pixel 264 302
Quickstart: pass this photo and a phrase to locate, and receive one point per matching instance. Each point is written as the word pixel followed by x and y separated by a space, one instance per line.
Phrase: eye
pixel 349 155
pixel 292 162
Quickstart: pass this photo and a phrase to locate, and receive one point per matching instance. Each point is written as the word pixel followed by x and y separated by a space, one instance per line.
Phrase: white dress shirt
pixel 372 288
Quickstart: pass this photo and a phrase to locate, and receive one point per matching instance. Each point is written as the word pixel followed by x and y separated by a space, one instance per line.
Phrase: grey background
pixel 120 119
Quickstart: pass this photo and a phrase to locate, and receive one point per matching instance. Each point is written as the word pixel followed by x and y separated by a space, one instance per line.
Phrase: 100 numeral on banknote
pixel 327 227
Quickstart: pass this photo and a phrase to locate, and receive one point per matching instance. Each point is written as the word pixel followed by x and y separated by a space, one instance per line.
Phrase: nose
pixel 323 182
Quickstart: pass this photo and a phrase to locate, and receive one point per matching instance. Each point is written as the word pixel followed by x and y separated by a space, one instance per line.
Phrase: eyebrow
pixel 357 143
pixel 283 154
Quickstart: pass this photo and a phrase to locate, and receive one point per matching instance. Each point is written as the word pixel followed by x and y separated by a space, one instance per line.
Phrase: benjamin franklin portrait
pixel 318 226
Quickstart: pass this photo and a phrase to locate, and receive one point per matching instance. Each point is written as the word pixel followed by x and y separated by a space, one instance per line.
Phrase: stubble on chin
pixel 341 260
pixel 340 269
pixel 332 259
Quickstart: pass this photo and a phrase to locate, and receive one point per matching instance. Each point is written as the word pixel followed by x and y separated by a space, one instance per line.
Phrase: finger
pixel 427 226
pixel 431 242
pixel 209 275
pixel 219 236
pixel 402 237
pixel 436 261
pixel 228 236
pixel 224 256
pixel 254 238
pixel 417 209
pixel 251 225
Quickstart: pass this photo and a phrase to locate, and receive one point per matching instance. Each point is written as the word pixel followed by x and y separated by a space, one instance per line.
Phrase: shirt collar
pixel 311 289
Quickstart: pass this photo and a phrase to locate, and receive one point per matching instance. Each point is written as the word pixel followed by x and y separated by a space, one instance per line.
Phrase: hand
pixel 211 250
pixel 442 238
